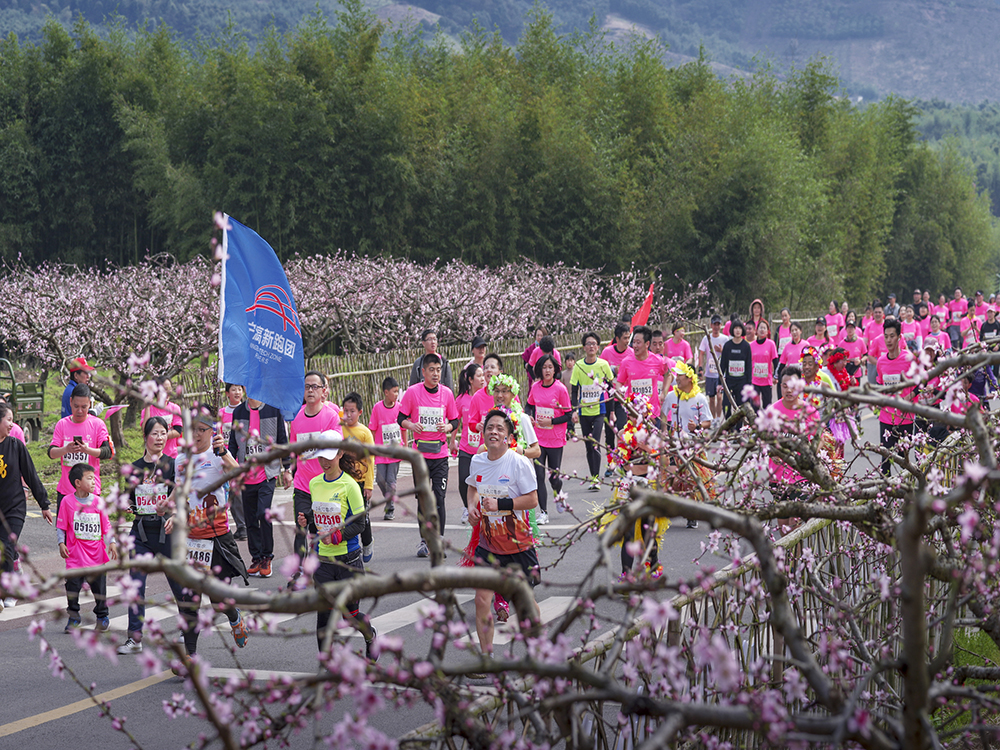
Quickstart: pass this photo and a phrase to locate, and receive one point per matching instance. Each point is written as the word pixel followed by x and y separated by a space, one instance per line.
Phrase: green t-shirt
pixel 332 503
pixel 592 380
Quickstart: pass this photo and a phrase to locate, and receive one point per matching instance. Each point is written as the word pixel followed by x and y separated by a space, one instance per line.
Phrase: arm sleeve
pixel 106 451
pixel 563 419
pixel 574 397
pixel 401 417
pixel 455 424
pixel 60 536
pixel 286 462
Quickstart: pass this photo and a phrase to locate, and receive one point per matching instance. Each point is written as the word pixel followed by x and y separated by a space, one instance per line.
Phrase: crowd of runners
pixel 508 445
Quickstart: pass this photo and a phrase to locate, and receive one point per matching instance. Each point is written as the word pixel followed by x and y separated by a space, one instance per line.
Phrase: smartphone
pixel 78 439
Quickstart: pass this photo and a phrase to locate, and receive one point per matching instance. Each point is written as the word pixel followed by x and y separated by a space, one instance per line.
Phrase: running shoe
pixel 254 570
pixel 103 624
pixel 608 473
pixel 368 553
pixel 73 624
pixel 465 516
pixel 239 627
pixel 692 524
pixel 543 518
pixel 389 514
pixel 240 535
pixel 501 608
pixel 10 601
pixel 370 653
pixel 130 646
pixel 264 571
pixel 422 550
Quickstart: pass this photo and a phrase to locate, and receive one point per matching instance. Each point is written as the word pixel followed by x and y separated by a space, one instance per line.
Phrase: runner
pixel 234 397
pixel 170 412
pixel 529 350
pixel 549 407
pixel 820 338
pixel 430 341
pixel 957 308
pixel 911 329
pixel 503 491
pixel 855 349
pixel 385 427
pixel 936 334
pixel 315 417
pixel 210 542
pixel 764 359
pixel 891 309
pixel 968 330
pixel 336 499
pixel 354 429
pixel 85 540
pixel 590 382
pixel 434 416
pixel 614 354
pixel 923 319
pixel 709 356
pixel 79 438
pixel 149 484
pixel 834 322
pixel 941 309
pixel 736 363
pixel 470 382
pixel 656 345
pixel 256 428
pixel 892 368
pixel 978 307
pixel 871 335
pixel 917 298
pixel 478 351
pixel 783 336
pixel 793 349
pixel 79 374
pixel 546 346
pixel 852 318
pixel 687 412
pixel 19 470
pixel 643 373
pixel 756 315
pixel 989 331
pixel 678 347
pixel 797 417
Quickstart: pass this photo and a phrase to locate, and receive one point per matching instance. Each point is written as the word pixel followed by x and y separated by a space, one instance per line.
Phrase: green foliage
pixel 565 148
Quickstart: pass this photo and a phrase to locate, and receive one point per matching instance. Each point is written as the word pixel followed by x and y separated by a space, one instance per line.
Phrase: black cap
pixel 892 295
pixel 716 319
pixel 850 323
pixel 478 341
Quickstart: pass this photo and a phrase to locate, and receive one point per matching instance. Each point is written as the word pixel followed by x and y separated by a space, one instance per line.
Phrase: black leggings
pixel 438 470
pixel 611 433
pixel 764 391
pixel 301 503
pixel 890 435
pixel 10 526
pixel 648 529
pixel 464 468
pixel 552 457
pixel 346 567
pixel 591 427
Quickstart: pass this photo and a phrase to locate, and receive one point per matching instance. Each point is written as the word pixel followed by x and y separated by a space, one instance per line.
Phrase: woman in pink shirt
pixel 549 407
pixel 783 336
pixel 678 347
pixel 470 381
pixel 170 412
pixel 910 327
pixel 763 359
pixel 793 350
pixel 834 322
pixel 820 339
pixel 794 415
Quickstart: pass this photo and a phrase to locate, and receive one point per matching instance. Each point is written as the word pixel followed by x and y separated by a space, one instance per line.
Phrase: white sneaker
pixel 465 516
pixel 130 647
pixel 543 518
pixel 10 602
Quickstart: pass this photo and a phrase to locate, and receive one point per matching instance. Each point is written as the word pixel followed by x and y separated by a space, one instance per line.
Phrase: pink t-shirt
pixel 614 357
pixel 430 409
pixel 538 354
pixel 762 358
pixel 479 406
pixel 305 427
pixel 643 377
pixel 94 434
pixel 726 327
pixel 911 331
pixel 924 326
pixel 877 347
pixel 549 402
pixel 797 420
pixel 855 349
pixel 86 525
pixel 385 429
pixel 793 353
pixel 941 311
pixel 979 311
pixel 956 309
pixel 470 440
pixel 820 342
pixel 872 331
pixel 784 337
pixel 17 433
pixel 172 414
pixel 943 339
pixel 678 350
pixel 969 332
pixel 834 325
pixel 890 372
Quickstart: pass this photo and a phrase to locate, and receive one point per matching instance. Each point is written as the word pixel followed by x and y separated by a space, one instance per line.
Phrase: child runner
pixel 354 428
pixel 386 431
pixel 336 500
pixel 85 540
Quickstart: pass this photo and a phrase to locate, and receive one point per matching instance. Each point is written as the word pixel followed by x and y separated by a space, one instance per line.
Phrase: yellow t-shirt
pixel 332 503
pixel 363 435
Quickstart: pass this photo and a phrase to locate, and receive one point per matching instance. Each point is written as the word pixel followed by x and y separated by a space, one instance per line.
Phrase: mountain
pixel 922 49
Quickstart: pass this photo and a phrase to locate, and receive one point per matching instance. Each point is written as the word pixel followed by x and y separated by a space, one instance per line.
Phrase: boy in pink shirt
pixel 385 429
pixel 678 347
pixel 892 368
pixel 83 529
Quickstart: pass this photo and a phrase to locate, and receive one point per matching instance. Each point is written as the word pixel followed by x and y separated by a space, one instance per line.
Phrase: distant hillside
pixel 923 49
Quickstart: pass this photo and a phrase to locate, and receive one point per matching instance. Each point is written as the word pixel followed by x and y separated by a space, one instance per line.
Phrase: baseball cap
pixel 478 341
pixel 716 319
pixel 892 295
pixel 330 453
pixel 79 363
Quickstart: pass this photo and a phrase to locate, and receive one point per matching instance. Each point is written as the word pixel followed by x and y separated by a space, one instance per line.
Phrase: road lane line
pixel 44 606
pixel 74 708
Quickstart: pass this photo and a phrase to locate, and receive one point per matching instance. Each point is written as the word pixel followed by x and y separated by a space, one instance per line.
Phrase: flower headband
pixel 683 368
pixel 503 379
pixel 809 351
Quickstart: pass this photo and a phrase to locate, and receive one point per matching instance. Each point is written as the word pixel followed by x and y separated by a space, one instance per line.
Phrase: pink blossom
pixel 968 521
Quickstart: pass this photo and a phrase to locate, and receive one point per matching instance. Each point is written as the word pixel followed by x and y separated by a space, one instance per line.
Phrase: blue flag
pixel 260 338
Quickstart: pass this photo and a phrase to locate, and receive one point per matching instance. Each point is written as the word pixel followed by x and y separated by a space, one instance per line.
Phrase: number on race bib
pixel 643 387
pixel 891 378
pixel 956 316
pixel 430 417
pixel 590 394
pixel 475 439
pixel 783 342
pixel 831 331
pixel 147 496
pixel 736 368
pixel 326 516
pixel 200 552
pixel 87 526
pixel 545 412
pixel 391 434
pixel 760 369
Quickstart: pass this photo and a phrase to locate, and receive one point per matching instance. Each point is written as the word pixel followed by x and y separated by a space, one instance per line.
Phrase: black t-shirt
pixel 147 477
pixel 990 332
pixel 17 465
pixel 733 352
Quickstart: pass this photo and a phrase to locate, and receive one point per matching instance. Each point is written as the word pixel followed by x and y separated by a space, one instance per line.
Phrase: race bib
pixel 590 394
pixel 908 336
pixel 147 496
pixel 475 439
pixel 956 316
pixel 495 492
pixel 831 331
pixel 760 369
pixel 736 368
pixel 326 516
pixel 891 378
pixel 991 334
pixel 391 434
pixel 643 387
pixel 73 458
pixel 254 448
pixel 783 342
pixel 545 412
pixel 87 526
pixel 430 417
pixel 200 552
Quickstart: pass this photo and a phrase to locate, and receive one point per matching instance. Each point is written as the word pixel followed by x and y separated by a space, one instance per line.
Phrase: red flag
pixel 641 316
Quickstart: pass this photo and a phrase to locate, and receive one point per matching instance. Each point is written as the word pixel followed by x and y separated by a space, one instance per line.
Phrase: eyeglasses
pixel 314 387
pixel 203 430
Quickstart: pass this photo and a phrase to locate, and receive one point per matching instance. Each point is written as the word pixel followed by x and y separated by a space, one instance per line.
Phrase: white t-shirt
pixel 695 408
pixel 530 438
pixel 717 341
pixel 511 475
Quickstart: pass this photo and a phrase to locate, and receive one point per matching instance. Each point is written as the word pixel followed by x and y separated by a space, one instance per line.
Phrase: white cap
pixel 330 453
